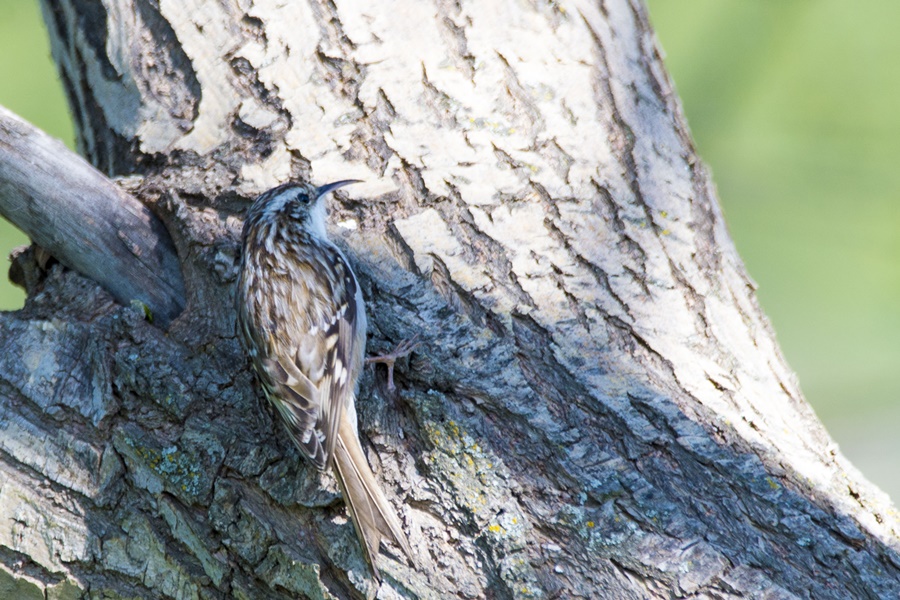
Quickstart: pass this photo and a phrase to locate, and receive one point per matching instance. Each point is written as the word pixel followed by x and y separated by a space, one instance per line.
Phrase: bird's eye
pixel 303 198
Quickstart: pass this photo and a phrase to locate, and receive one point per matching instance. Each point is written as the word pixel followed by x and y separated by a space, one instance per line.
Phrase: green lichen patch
pixel 185 469
pixel 64 590
pixel 598 529
pixel 19 586
pixel 479 482
pixel 520 577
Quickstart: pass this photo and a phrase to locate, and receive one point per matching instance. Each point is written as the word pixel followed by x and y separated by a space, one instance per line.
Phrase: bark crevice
pixel 598 407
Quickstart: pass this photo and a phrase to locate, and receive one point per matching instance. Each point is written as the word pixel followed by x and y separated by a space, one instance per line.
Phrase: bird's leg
pixel 402 349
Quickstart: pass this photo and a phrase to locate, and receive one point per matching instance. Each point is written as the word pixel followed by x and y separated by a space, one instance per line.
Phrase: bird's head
pixel 295 202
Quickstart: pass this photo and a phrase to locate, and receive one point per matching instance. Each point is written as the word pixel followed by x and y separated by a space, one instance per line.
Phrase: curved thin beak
pixel 330 187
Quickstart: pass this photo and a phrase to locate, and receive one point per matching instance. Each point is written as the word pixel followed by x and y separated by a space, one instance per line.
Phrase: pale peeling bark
pixel 598 409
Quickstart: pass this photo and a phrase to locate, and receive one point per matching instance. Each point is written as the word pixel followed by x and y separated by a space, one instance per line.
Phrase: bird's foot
pixel 404 348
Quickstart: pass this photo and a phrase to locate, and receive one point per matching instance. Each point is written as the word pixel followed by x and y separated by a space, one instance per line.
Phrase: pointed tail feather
pixel 372 515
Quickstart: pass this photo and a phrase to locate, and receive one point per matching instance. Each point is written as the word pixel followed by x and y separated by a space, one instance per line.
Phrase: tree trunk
pixel 598 409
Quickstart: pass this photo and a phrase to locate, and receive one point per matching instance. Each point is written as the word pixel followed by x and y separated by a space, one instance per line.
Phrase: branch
pixel 599 408
pixel 85 221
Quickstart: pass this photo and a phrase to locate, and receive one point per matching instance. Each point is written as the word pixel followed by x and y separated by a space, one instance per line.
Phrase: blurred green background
pixel 795 107
pixel 30 87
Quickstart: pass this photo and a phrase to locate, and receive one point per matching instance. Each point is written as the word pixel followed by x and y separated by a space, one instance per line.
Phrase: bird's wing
pixel 311 365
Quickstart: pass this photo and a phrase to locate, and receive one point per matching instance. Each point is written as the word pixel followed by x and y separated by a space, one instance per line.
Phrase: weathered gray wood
pixel 599 408
pixel 85 221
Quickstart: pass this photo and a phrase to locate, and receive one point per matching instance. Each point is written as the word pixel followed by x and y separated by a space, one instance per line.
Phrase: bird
pixel 302 321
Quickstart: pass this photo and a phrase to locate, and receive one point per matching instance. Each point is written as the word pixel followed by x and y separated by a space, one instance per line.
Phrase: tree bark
pixel 599 408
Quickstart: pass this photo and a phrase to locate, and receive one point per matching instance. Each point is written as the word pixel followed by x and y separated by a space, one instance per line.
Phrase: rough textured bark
pixel 599 409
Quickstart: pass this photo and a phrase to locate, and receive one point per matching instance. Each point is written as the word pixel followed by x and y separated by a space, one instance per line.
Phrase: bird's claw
pixel 404 348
